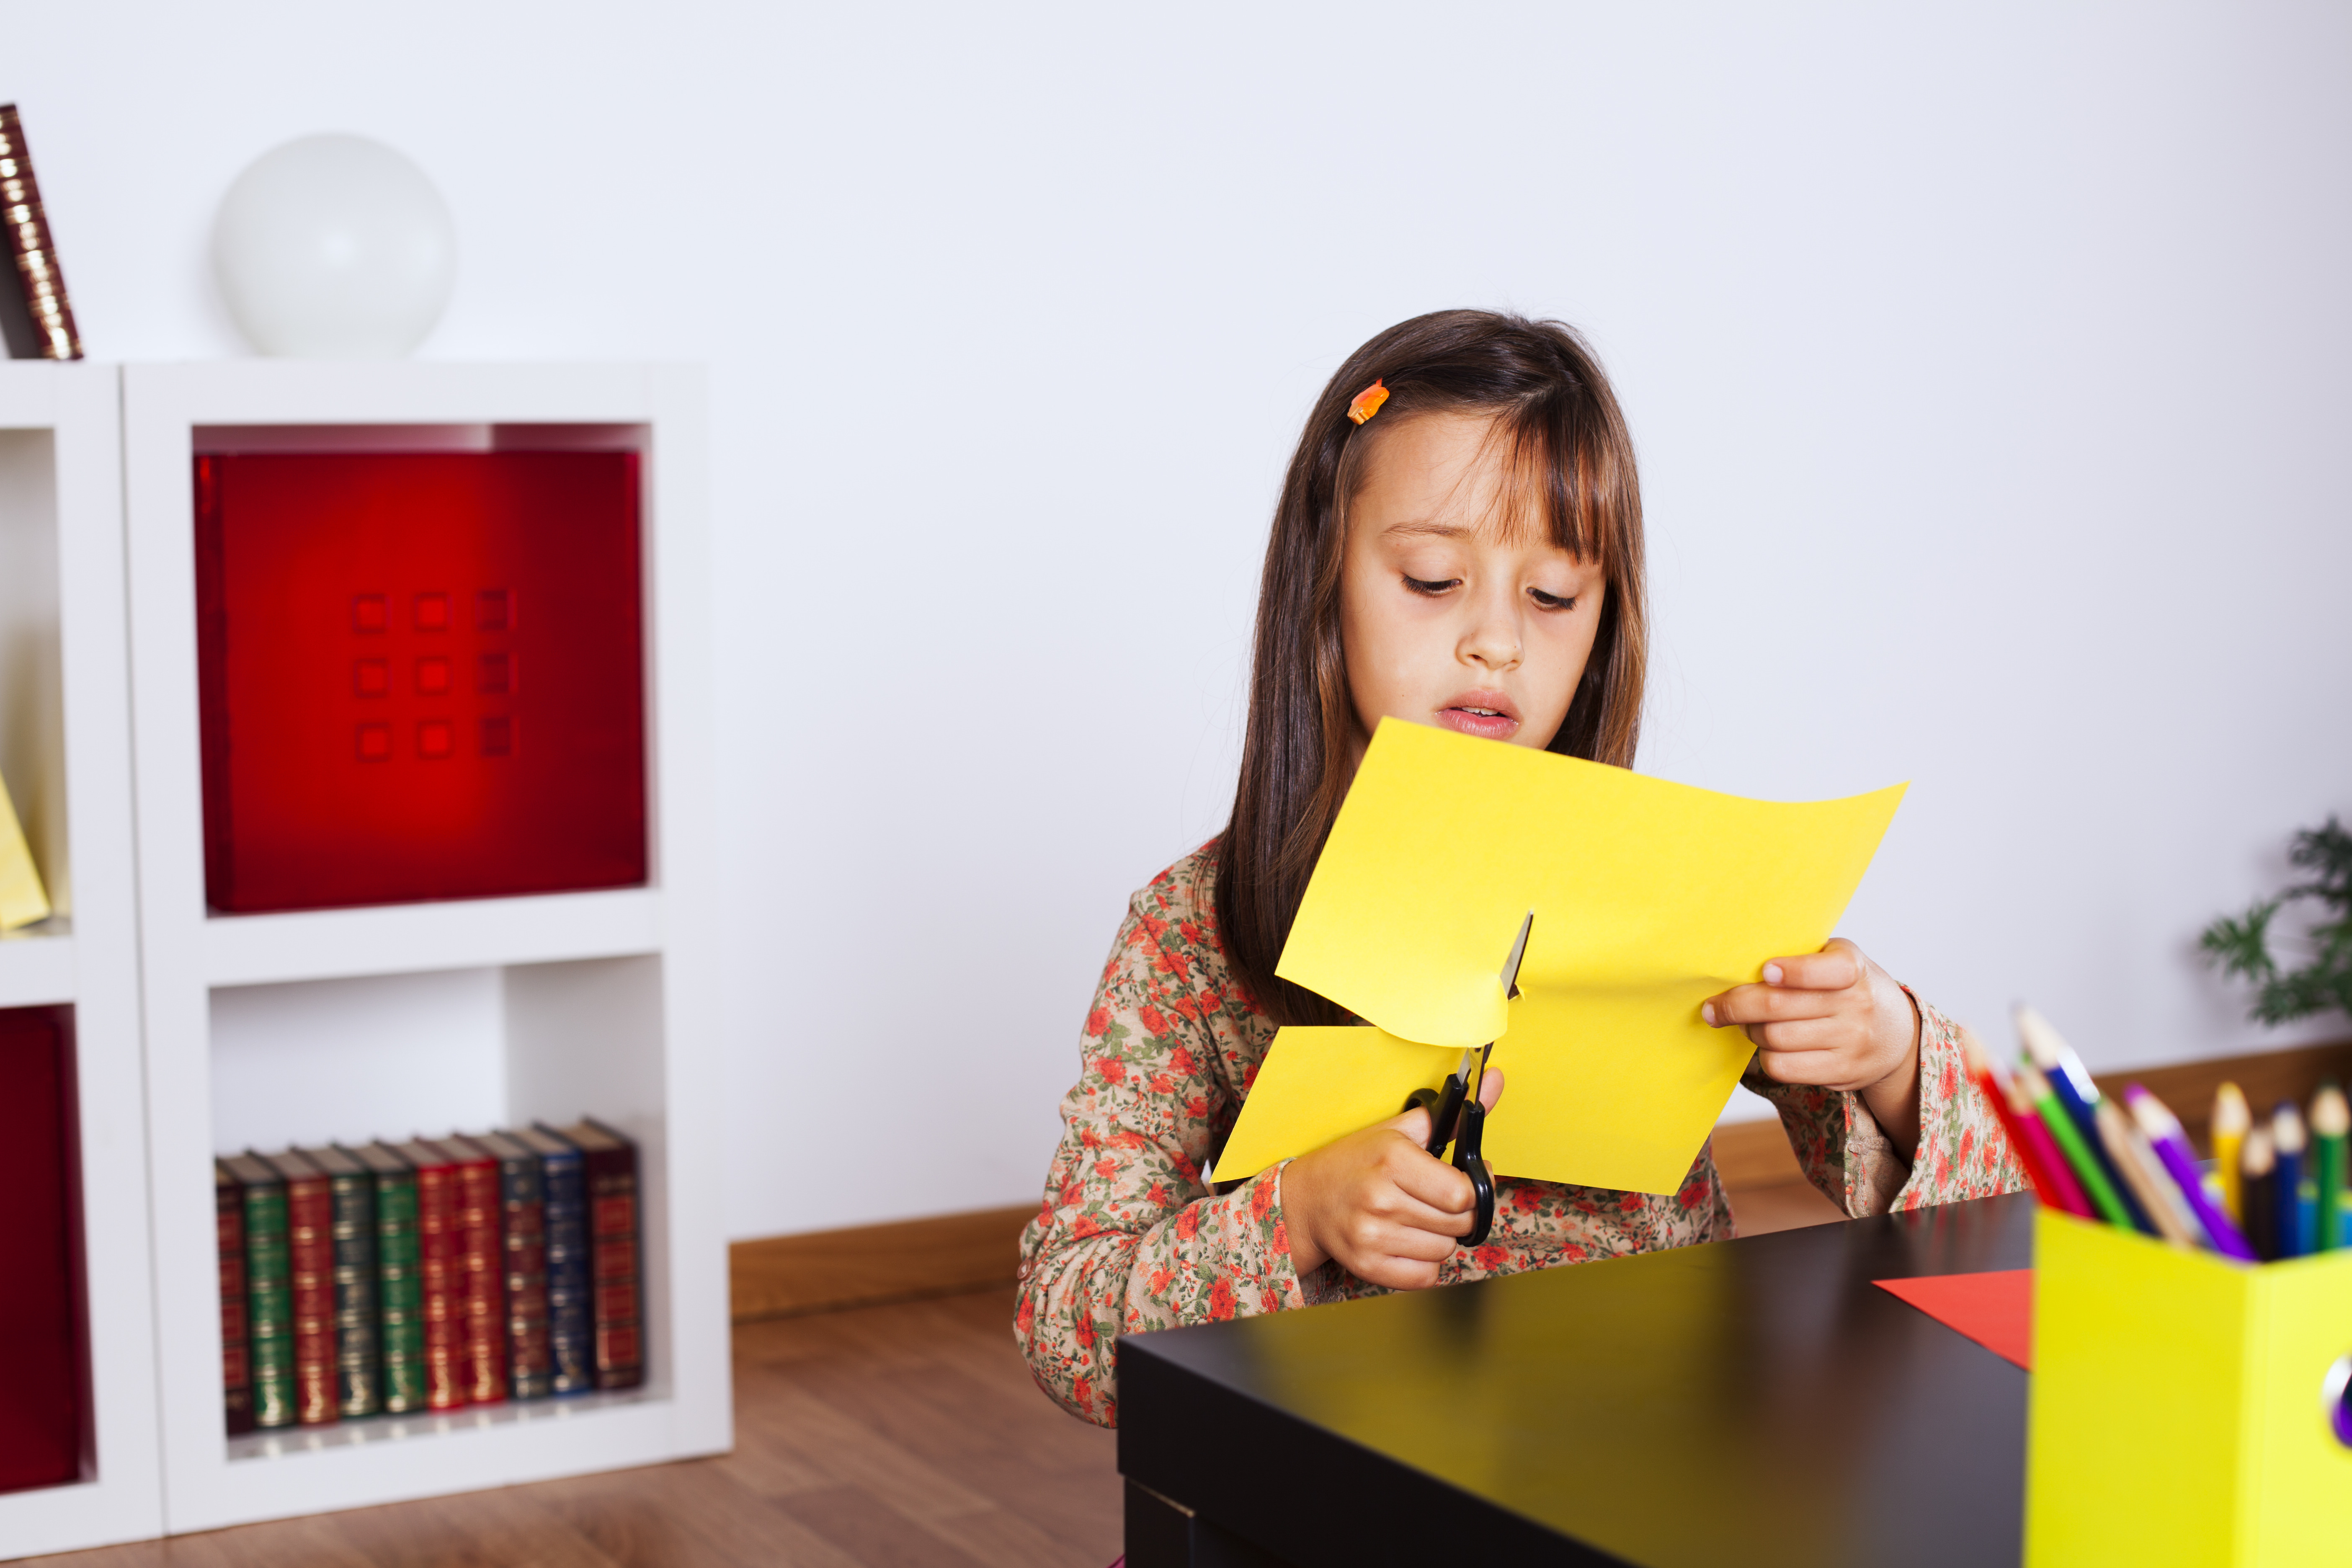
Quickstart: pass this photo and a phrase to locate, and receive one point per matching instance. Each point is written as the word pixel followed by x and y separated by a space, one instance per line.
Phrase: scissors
pixel 1458 1117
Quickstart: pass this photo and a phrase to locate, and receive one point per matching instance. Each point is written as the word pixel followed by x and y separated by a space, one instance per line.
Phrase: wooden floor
pixel 885 1436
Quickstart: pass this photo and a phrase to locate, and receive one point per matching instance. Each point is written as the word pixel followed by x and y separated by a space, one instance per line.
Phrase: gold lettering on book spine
pixel 28 238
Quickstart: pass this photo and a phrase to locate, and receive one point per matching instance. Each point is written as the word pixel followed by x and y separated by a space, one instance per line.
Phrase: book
pixel 609 1170
pixel 571 1315
pixel 440 1288
pixel 399 1274
pixel 269 1290
pixel 237 1367
pixel 359 1385
pixel 311 1275
pixel 480 1276
pixel 522 1194
pixel 44 329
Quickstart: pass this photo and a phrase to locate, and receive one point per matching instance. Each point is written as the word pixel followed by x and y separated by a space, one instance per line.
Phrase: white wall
pixel 1987 368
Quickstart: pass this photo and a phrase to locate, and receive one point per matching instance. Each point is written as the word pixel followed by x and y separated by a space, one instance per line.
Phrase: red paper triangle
pixel 1995 1310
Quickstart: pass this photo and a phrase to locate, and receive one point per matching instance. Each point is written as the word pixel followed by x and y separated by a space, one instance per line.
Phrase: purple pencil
pixel 2171 1145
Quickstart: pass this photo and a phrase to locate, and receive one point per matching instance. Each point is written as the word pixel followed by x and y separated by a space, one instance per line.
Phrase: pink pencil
pixel 2053 1180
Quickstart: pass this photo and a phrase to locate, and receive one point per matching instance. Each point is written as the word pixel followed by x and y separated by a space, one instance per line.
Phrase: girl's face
pixel 1455 608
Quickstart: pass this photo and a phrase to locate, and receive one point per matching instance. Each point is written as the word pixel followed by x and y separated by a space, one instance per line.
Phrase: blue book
pixel 571 1317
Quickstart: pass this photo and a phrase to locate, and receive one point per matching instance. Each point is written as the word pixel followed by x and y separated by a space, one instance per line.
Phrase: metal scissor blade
pixel 1517 954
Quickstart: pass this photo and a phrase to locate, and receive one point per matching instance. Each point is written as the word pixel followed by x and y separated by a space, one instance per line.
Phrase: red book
pixel 420 674
pixel 41 1392
pixel 438 1273
pixel 310 1269
pixel 609 1160
pixel 530 1365
pixel 236 1359
pixel 480 1273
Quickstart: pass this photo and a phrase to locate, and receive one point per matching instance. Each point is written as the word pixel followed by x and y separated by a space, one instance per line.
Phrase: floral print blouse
pixel 1130 1237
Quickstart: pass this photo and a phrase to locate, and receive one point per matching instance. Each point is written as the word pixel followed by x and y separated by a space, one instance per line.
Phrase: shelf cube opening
pixel 421 663
pixel 45 1436
pixel 32 690
pixel 395 1057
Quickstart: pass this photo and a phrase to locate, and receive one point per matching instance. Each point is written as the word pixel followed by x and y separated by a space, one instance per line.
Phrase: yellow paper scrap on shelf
pixel 1649 897
pixel 23 899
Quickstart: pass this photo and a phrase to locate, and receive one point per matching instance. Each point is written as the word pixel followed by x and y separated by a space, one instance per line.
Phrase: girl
pixel 1458 542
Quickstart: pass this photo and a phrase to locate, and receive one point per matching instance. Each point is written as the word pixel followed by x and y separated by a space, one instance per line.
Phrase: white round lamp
pixel 334 247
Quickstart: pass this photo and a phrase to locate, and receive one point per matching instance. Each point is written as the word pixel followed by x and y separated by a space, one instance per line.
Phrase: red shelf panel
pixel 421 675
pixel 41 1403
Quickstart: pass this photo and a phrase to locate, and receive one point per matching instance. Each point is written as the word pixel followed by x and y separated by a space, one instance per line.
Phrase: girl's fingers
pixel 1490 1089
pixel 1835 968
pixel 1405 1241
pixel 1432 1192
pixel 1395 1273
pixel 1800 986
pixel 1806 1035
pixel 1768 1005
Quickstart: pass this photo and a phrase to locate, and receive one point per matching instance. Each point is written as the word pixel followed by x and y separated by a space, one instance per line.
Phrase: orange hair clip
pixel 1368 402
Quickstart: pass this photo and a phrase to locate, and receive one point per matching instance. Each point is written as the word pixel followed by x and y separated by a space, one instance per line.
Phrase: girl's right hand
pixel 1376 1201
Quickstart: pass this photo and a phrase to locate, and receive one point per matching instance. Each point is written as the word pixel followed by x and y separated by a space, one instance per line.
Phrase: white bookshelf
pixel 425 1018
pixel 65 750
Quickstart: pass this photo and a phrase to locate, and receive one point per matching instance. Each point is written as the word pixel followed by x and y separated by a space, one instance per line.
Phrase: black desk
pixel 1754 1401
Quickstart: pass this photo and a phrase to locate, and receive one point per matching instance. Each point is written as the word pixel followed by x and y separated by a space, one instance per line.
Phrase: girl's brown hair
pixel 1567 445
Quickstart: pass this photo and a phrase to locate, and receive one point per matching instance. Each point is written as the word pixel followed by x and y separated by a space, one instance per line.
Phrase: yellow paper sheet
pixel 1319 1083
pixel 1649 897
pixel 23 899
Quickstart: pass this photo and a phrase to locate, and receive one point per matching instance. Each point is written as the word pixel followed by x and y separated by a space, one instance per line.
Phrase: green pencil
pixel 2331 1120
pixel 2093 1176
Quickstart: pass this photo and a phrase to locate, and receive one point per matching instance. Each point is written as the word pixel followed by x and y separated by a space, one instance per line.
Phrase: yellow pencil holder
pixel 2185 1409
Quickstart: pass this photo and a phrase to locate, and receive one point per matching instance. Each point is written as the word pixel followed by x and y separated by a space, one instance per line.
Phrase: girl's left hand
pixel 1835 1019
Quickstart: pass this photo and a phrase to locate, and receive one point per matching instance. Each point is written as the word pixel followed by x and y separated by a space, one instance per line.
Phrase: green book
pixel 359 1385
pixel 268 1289
pixel 400 1293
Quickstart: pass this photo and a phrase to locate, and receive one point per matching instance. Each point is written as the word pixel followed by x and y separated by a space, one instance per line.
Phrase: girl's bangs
pixel 1562 472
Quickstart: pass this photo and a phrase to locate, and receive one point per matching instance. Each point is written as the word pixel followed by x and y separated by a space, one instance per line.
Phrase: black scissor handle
pixel 1470 1159
pixel 1444 1107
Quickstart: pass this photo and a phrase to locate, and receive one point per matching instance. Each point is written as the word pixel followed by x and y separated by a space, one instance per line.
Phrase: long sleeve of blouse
pixel 1129 1237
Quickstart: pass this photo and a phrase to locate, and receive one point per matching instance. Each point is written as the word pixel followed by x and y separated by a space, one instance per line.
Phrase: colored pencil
pixel 2045 1167
pixel 2259 1192
pixel 2230 1121
pixel 2291 1142
pixel 2071 1195
pixel 2331 1120
pixel 2088 1170
pixel 2144 1176
pixel 2171 1147
pixel 2075 1090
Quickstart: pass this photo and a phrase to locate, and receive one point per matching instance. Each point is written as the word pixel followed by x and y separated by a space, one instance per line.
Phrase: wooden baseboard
pixel 2267 1076
pixel 865 1266
pixel 1755 1154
